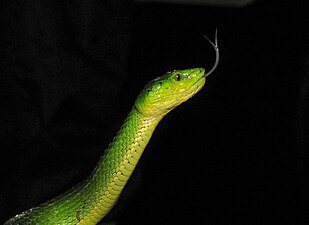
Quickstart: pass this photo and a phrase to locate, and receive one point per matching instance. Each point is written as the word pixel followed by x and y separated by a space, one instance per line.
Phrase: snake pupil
pixel 178 77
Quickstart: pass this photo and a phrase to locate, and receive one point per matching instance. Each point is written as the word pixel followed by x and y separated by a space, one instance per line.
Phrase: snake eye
pixel 178 77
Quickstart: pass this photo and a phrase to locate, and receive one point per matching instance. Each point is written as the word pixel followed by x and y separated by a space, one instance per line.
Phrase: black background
pixel 234 154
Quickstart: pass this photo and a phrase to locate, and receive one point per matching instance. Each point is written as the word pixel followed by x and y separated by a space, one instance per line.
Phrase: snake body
pixel 92 199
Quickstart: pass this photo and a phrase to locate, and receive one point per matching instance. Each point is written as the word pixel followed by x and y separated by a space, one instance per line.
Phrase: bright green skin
pixel 91 200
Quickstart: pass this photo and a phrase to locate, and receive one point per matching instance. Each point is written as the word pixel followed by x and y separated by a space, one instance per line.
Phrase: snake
pixel 91 200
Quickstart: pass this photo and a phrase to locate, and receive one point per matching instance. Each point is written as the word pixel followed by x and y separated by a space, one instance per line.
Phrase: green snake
pixel 92 199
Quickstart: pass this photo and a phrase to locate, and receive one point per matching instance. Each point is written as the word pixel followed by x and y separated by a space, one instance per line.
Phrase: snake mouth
pixel 195 87
pixel 202 77
pixel 198 84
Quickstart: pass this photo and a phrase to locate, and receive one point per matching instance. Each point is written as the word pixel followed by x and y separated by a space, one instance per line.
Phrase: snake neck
pixel 127 146
pixel 116 165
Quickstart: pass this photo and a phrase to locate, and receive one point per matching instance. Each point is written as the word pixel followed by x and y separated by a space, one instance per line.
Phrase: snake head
pixel 164 93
